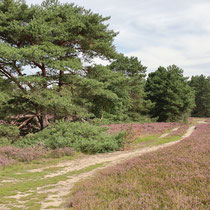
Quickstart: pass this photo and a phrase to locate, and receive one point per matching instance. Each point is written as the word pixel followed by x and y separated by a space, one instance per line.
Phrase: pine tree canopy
pixel 201 85
pixel 51 40
pixel 169 90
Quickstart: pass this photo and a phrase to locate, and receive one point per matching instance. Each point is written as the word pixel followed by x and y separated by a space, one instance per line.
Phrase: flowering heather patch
pixel 180 131
pixel 12 154
pixel 5 161
pixel 138 129
pixel 175 177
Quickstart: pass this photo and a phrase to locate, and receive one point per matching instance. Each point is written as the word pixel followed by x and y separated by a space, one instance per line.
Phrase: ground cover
pixel 45 183
pixel 172 178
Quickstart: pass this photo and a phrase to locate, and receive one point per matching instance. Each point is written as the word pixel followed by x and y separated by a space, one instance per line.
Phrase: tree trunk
pixel 43 120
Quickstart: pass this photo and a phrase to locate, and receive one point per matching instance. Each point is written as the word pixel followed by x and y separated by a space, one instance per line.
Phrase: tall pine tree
pixel 51 40
pixel 169 90
pixel 201 85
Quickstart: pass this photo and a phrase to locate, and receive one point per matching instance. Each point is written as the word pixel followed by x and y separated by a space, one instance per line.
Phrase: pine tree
pixel 201 85
pixel 51 40
pixel 169 90
pixel 134 71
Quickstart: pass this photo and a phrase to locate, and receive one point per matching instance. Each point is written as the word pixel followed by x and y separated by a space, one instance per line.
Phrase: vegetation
pixel 50 97
pixel 169 90
pixel 19 182
pixel 52 39
pixel 160 180
pixel 55 103
pixel 79 136
pixel 201 85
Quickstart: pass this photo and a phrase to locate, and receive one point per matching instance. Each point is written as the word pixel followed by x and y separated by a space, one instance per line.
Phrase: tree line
pixel 55 42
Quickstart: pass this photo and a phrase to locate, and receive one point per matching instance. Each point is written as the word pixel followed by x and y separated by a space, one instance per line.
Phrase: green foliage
pixel 201 85
pixel 53 39
pixel 9 131
pixel 111 96
pixel 4 142
pixel 8 134
pixel 134 71
pixel 169 90
pixel 82 137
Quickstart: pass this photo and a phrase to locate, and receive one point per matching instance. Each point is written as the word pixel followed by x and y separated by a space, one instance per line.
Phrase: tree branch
pixel 10 76
pixel 60 83
pixel 25 122
pixel 30 40
pixel 20 74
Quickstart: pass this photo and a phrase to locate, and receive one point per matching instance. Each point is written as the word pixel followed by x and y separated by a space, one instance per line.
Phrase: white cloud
pixel 159 32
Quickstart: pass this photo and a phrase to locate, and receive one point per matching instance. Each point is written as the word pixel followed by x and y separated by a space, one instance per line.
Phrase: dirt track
pixel 64 188
pixel 57 192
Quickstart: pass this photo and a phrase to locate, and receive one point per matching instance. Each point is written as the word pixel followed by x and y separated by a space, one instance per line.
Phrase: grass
pixel 165 140
pixel 154 140
pixel 146 139
pixel 28 182
pixel 171 178
pixel 19 171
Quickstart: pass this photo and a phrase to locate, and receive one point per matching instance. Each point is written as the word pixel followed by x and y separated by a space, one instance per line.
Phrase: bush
pixel 4 142
pixel 82 137
pixel 9 131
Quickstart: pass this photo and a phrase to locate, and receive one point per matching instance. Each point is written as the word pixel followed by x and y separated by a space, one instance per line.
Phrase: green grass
pixel 146 139
pixel 27 181
pixel 19 171
pixel 154 140
pixel 26 184
pixel 165 140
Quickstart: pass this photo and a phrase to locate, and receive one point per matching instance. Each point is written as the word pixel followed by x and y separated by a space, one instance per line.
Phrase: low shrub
pixel 8 133
pixel 26 154
pixel 82 137
pixel 11 154
pixel 4 142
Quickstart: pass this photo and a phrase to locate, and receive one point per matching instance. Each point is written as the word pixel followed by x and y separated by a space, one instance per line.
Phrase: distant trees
pixel 169 90
pixel 201 85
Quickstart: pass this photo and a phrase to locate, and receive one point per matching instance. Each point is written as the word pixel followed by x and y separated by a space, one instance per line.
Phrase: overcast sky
pixel 159 32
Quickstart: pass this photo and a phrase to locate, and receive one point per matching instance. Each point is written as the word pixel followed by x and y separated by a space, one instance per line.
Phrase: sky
pixel 158 32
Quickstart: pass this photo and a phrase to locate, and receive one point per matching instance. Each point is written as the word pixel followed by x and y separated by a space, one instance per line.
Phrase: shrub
pixel 10 132
pixel 11 154
pixel 82 137
pixel 4 142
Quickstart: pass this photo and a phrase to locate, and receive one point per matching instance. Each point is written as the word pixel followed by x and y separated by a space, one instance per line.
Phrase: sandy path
pixel 57 192
pixel 63 188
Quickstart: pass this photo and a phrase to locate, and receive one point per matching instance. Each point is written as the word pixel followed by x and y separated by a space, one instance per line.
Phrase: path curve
pixel 63 188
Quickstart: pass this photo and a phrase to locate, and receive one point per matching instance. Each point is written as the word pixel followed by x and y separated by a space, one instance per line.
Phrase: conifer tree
pixel 42 49
pixel 201 85
pixel 135 73
pixel 169 90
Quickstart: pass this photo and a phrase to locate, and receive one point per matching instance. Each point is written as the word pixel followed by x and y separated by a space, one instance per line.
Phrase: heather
pixel 180 131
pixel 61 138
pixel 142 129
pixel 171 178
pixel 11 154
